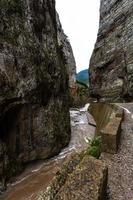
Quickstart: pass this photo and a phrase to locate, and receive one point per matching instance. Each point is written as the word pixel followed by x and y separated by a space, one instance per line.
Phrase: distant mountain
pixel 83 77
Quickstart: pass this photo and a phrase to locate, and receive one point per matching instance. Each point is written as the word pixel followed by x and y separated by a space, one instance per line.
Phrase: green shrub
pixel 96 141
pixel 94 148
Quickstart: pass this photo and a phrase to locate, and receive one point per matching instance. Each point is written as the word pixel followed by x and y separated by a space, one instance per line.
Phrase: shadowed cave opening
pixel 8 121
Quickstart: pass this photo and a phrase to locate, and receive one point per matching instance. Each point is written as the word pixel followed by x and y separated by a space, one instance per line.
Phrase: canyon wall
pixel 34 91
pixel 111 65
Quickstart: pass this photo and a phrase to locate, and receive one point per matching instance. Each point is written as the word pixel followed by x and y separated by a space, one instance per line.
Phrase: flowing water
pixel 37 176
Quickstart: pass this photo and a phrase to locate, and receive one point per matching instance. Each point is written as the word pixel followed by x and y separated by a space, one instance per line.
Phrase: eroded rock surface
pixel 111 65
pixel 34 103
pixel 80 178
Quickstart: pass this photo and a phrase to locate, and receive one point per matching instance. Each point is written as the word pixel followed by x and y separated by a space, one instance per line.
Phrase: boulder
pixel 108 118
pixel 87 180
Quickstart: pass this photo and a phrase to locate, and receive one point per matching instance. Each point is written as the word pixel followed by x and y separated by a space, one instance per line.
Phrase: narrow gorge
pixel 60 139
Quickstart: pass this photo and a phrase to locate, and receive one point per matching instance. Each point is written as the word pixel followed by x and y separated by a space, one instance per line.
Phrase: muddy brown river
pixel 37 176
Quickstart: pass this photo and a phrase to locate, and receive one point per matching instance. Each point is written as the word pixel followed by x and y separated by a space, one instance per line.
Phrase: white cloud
pixel 80 20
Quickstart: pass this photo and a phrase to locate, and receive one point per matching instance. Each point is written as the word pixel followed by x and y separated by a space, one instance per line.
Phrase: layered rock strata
pixel 111 65
pixel 34 92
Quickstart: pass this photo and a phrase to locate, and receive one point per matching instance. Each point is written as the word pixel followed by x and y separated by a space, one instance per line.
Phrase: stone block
pixel 111 135
pixel 88 181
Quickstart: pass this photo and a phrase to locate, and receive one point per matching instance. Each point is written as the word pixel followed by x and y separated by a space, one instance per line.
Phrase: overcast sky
pixel 80 21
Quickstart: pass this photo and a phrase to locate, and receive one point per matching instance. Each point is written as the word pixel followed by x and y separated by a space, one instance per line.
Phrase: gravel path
pixel 120 182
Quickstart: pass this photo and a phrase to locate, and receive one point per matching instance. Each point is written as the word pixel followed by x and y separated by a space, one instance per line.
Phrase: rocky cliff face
pixel 34 111
pixel 111 65
pixel 68 53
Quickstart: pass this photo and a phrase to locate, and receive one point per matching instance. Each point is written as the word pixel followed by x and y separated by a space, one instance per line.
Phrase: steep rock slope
pixel 111 65
pixel 34 97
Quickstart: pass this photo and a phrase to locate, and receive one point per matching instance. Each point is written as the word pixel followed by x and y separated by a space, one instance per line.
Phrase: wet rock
pixel 111 62
pixel 34 91
pixel 88 180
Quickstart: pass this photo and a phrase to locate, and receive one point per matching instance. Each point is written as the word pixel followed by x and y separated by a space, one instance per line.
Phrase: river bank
pixel 37 176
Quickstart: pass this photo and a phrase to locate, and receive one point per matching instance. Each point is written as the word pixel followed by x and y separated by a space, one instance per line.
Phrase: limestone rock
pixel 87 180
pixel 111 66
pixel 34 92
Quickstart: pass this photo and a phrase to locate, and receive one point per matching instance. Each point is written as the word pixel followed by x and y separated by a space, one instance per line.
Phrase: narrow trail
pixel 37 176
pixel 120 179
